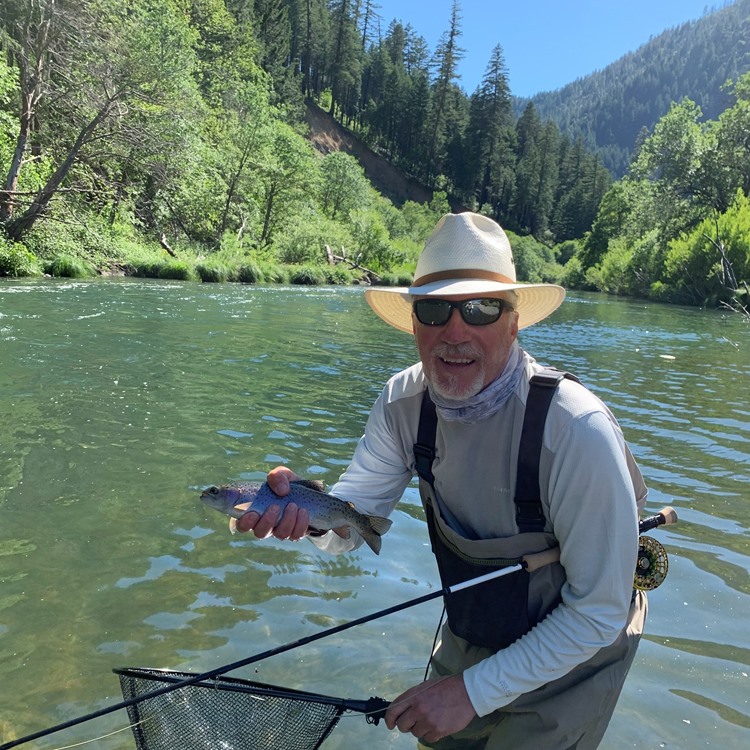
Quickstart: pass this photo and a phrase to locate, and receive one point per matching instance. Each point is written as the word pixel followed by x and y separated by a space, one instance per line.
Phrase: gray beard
pixel 488 401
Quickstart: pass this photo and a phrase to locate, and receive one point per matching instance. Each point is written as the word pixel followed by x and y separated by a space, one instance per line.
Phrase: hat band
pixel 462 273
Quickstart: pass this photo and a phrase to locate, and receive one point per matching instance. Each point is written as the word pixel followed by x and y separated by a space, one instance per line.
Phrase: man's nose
pixel 456 329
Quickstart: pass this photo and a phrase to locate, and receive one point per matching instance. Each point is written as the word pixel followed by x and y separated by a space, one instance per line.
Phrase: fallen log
pixel 333 259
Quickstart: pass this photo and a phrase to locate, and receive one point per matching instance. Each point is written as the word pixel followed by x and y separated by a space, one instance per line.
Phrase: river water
pixel 121 398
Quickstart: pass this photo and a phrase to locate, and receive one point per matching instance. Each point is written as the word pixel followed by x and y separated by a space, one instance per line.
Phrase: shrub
pixel 17 260
pixel 573 276
pixel 213 272
pixel 176 269
pixel 307 275
pixel 274 274
pixel 69 267
pixel 338 274
pixel 249 273
pixel 395 279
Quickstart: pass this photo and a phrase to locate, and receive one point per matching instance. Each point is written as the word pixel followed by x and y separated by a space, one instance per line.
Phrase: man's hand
pixel 433 709
pixel 292 524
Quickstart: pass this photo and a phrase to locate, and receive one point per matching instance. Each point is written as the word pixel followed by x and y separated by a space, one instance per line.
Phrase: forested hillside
pixel 611 108
pixel 169 138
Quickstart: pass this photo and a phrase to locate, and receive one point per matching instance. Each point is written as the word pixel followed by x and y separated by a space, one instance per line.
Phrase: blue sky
pixel 547 43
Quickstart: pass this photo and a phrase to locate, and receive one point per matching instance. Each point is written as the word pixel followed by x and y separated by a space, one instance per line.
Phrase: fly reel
pixel 652 566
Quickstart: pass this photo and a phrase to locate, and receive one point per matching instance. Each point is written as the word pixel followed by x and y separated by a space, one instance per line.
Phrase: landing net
pixel 224 713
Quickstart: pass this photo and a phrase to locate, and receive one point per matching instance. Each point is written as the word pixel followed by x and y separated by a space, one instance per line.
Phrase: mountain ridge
pixel 610 108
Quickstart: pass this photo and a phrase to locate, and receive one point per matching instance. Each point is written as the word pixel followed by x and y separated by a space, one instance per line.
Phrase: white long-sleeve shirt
pixel 591 493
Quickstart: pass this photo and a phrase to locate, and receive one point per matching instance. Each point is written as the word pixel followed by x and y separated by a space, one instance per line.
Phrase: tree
pixel 445 62
pixel 346 62
pixel 344 186
pixel 98 68
pixel 288 176
pixel 30 31
pixel 488 134
pixel 536 171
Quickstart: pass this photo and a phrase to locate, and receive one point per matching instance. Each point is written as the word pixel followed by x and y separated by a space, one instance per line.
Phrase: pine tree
pixel 445 62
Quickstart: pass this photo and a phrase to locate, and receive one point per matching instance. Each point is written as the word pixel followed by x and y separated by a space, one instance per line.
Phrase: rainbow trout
pixel 326 511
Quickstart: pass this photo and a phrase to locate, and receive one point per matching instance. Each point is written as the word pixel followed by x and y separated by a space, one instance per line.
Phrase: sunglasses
pixel 475 312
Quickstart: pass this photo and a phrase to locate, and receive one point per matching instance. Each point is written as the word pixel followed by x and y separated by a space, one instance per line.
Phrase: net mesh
pixel 225 714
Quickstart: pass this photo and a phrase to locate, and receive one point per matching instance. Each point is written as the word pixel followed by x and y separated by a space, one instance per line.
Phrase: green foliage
pixel 302 239
pixel 395 279
pixel 149 269
pixel 339 275
pixel 307 275
pixel 534 261
pixel 8 89
pixel 343 185
pixel 177 269
pixel 69 267
pixel 249 273
pixel 373 248
pixel 612 274
pixel 707 264
pixel 17 260
pixel 566 250
pixel 275 274
pixel 573 275
pixel 213 271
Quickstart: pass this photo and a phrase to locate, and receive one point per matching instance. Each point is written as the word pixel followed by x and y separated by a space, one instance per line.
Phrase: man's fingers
pixel 291 523
pixel 247 521
pixel 290 526
pixel 279 478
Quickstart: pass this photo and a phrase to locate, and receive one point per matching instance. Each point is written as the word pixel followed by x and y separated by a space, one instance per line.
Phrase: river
pixel 120 398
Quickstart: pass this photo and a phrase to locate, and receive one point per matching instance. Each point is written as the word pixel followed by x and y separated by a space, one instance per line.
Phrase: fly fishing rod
pixel 651 567
pixel 528 562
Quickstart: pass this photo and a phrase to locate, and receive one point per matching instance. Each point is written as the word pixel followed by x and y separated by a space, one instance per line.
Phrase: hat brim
pixel 534 302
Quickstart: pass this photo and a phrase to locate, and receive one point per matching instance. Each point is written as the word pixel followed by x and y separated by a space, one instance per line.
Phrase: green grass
pixel 69 267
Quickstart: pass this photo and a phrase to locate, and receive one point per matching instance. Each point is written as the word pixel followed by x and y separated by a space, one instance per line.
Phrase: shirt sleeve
pixel 594 516
pixel 374 481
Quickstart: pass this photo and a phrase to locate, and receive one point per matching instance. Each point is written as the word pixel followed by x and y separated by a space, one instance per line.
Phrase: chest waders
pixel 498 612
pixel 571 712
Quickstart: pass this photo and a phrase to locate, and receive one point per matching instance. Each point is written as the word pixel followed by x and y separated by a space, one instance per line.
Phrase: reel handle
pixel 537 560
pixel 666 516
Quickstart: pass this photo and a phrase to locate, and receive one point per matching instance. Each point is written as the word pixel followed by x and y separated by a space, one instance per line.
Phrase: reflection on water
pixel 122 398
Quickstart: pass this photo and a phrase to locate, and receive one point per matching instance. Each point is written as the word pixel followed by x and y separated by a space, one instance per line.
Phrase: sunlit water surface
pixel 121 398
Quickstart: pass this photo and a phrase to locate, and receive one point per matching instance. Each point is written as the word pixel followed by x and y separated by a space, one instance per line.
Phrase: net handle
pixel 528 561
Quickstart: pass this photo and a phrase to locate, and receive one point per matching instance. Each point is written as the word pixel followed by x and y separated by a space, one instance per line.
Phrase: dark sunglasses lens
pixel 475 312
pixel 481 312
pixel 432 312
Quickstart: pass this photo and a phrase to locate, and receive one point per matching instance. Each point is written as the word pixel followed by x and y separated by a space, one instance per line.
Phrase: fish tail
pixel 372 532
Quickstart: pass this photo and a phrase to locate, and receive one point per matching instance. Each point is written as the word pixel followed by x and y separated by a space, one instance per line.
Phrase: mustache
pixel 457 351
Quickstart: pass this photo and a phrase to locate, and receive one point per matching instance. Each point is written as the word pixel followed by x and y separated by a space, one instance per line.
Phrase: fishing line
pixel 529 562
pixel 104 736
pixel 434 644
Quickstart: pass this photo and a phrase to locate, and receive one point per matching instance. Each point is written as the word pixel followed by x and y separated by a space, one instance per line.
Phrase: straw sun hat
pixel 466 253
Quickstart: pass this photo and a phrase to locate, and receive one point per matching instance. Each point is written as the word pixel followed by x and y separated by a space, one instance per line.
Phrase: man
pixel 531 661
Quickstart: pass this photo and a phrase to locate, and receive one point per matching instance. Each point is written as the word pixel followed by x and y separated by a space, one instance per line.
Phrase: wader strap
pixel 529 512
pixel 528 500
pixel 424 448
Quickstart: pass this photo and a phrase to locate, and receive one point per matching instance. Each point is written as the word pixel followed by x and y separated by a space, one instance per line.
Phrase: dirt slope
pixel 327 135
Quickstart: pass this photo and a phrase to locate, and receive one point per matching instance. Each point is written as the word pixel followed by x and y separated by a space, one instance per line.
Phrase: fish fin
pixel 311 484
pixel 233 525
pixel 379 524
pixel 344 532
pixel 375 527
